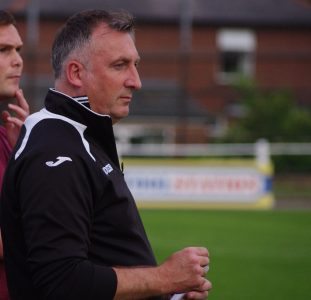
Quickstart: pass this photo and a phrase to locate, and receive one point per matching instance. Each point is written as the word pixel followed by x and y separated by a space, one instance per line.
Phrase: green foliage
pixel 299 164
pixel 272 115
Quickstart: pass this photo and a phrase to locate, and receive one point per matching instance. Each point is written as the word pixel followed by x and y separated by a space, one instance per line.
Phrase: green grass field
pixel 255 255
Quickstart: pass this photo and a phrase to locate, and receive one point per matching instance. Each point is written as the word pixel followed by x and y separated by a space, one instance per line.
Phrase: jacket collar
pixel 99 127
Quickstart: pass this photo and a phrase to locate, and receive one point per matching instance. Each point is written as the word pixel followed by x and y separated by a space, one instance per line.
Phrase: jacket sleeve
pixel 56 187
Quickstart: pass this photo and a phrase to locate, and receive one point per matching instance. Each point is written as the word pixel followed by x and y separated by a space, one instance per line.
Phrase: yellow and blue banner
pixel 199 183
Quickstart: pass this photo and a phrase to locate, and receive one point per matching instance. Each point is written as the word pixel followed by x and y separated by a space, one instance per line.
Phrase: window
pixel 236 54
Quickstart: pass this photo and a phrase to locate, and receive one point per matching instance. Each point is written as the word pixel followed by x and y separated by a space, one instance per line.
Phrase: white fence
pixel 262 149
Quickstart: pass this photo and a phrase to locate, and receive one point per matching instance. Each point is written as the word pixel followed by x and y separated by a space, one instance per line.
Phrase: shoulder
pixel 46 134
pixel 4 143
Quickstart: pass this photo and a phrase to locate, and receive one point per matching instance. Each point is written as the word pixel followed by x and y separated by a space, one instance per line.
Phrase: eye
pixel 119 65
pixel 3 49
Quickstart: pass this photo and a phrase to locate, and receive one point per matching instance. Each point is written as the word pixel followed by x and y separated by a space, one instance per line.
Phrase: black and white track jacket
pixel 67 215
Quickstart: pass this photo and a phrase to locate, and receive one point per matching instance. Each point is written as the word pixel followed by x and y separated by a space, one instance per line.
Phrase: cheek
pixel 2 68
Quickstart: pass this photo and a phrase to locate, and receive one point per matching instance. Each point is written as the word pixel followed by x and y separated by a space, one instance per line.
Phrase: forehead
pixel 9 35
pixel 112 42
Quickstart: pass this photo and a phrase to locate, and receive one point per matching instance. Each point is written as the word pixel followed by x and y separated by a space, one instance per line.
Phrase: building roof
pixel 212 12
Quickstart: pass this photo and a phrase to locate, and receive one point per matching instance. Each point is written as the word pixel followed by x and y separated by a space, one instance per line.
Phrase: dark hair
pixel 6 18
pixel 78 29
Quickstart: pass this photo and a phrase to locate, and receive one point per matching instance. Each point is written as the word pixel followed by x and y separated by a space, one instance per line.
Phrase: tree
pixel 272 115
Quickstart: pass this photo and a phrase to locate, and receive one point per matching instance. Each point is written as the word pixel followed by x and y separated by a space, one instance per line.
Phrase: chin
pixel 6 95
pixel 123 114
pixel 118 118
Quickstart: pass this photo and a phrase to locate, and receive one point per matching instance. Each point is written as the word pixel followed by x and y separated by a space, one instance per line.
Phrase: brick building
pixel 192 51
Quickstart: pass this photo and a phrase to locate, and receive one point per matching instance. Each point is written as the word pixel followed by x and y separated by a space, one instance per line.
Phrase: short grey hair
pixel 78 29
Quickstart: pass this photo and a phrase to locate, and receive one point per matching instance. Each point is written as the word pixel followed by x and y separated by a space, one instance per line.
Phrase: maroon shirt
pixel 5 151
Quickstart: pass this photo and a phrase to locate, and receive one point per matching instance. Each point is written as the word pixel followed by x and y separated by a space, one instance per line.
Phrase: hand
pixel 13 124
pixel 185 271
pixel 197 295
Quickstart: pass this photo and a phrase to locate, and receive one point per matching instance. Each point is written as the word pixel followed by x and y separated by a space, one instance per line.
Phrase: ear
pixel 74 71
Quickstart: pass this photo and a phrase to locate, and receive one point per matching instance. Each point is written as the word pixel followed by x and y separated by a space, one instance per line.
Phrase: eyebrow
pixel 2 44
pixel 126 59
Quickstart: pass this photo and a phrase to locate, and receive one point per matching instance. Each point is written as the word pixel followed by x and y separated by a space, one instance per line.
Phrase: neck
pixel 68 89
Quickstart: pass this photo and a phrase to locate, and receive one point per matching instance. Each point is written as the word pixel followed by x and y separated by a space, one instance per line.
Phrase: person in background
pixel 77 231
pixel 11 66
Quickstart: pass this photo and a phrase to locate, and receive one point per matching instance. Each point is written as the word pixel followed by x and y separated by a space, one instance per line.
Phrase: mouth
pixel 126 98
pixel 16 77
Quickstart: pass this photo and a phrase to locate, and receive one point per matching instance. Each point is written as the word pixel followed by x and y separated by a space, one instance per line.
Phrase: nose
pixel 133 81
pixel 17 59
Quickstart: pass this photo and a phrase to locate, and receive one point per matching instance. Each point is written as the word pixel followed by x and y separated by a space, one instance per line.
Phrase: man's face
pixel 111 75
pixel 11 63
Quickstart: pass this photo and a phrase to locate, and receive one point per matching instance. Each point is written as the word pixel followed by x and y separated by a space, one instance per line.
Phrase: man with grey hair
pixel 71 227
pixel 11 66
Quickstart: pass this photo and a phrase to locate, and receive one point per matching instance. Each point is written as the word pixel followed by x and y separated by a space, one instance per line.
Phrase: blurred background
pixel 213 71
pixel 220 78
